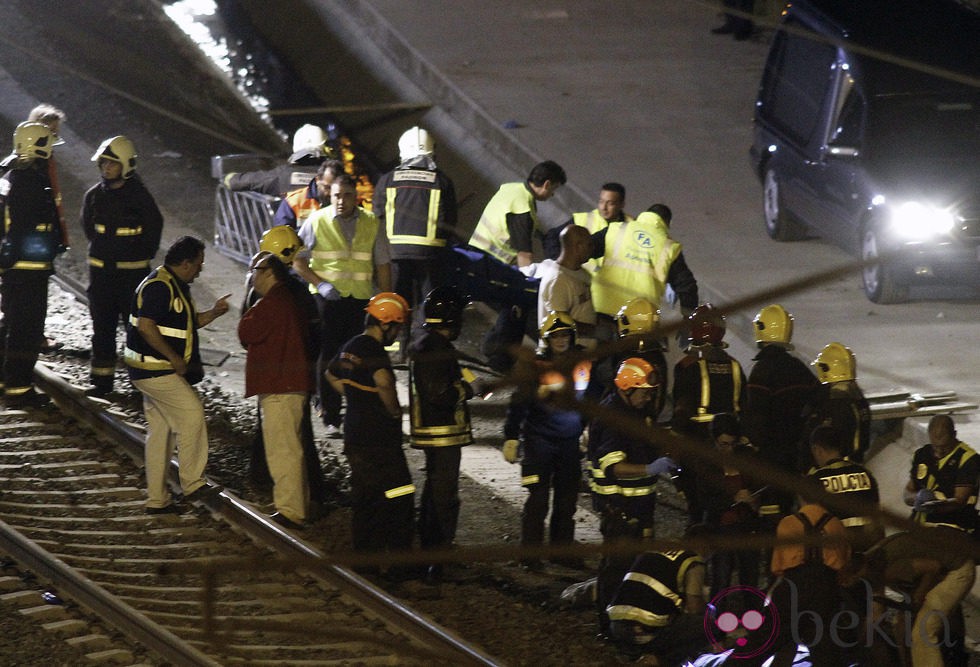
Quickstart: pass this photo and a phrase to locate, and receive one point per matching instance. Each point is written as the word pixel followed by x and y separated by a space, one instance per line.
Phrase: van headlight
pixel 914 220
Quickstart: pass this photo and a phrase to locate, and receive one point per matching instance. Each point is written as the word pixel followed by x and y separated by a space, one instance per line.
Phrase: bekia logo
pixel 643 239
pixel 747 635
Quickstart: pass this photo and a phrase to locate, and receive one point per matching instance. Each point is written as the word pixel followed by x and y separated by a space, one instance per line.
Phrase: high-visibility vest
pixel 594 222
pixel 302 204
pixel 491 235
pixel 177 328
pixel 412 208
pixel 635 263
pixel 349 267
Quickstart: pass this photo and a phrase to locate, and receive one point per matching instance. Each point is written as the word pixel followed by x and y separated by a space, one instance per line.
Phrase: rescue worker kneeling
pixel 382 493
pixel 659 606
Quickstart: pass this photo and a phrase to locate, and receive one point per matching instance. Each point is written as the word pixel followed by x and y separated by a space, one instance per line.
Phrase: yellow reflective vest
pixel 491 234
pixel 348 266
pixel 594 222
pixel 636 260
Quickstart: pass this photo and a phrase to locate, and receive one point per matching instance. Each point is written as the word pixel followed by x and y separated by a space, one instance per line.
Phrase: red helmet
pixel 388 307
pixel 707 325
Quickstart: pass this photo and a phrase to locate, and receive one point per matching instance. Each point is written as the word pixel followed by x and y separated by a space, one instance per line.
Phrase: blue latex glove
pixel 663 465
pixel 922 497
pixel 328 291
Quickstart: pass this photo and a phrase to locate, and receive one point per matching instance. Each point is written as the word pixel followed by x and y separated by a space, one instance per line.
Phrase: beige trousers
pixel 174 419
pixel 932 621
pixel 282 416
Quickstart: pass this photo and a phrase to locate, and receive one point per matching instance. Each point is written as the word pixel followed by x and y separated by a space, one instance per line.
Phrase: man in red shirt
pixel 279 370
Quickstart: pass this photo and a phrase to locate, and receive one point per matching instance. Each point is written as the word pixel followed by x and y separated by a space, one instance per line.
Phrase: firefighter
pixel 309 150
pixel 624 469
pixel 549 434
pixel 707 381
pixel 31 239
pixel 840 403
pixel 123 226
pixel 440 418
pixel 416 204
pixel 636 324
pixel 382 493
pixel 779 387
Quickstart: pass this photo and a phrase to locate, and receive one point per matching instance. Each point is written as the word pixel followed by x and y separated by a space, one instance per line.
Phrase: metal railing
pixel 240 218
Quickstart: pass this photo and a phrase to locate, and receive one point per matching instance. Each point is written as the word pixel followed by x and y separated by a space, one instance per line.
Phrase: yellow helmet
pixel 118 149
pixel 556 322
pixel 33 140
pixel 773 325
pixel 282 241
pixel 637 373
pixel 637 316
pixel 388 307
pixel 835 363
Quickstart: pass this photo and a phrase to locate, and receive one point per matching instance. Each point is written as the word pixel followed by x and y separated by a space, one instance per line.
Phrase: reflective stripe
pixel 136 264
pixel 44 227
pixel 767 510
pixel 626 612
pixel 340 254
pixel 528 480
pixel 32 266
pixel 441 441
pixel 856 521
pixel 657 586
pixel 145 361
pixel 17 391
pixel 120 231
pixel 102 371
pixel 343 275
pixel 400 491
pixel 172 332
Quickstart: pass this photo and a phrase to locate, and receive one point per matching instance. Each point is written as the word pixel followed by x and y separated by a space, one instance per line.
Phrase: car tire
pixel 880 284
pixel 779 224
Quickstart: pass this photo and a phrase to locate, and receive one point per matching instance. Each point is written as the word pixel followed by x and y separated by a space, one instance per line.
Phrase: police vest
pixel 412 208
pixel 302 204
pixel 177 328
pixel 491 234
pixel 707 411
pixel 636 261
pixel 940 478
pixel 652 591
pixel 349 267
pixel 851 480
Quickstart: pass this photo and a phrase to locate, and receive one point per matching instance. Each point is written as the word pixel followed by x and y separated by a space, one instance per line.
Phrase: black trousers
pixel 340 321
pixel 110 297
pixel 414 279
pixel 381 520
pixel 550 469
pixel 24 302
pixel 439 507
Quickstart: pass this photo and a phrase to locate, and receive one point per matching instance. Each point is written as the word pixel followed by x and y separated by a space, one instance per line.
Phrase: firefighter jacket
pixel 636 260
pixel 437 394
pixel 635 497
pixel 165 299
pixel 122 225
pixel 707 381
pixel 31 231
pixel 417 207
pixel 275 182
pixel 297 206
pixel 347 265
pixel 652 592
pixel 961 467
pixel 507 223
pixel 779 388
pixel 842 406
pixel 849 480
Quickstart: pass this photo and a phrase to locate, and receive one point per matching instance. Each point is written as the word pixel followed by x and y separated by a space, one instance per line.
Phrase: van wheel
pixel 779 225
pixel 880 285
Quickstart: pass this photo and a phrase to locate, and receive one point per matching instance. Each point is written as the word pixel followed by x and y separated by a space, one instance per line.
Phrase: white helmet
pixel 310 138
pixel 415 142
pixel 118 149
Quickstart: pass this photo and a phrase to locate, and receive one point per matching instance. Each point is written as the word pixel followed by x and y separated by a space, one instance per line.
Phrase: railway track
pixel 72 511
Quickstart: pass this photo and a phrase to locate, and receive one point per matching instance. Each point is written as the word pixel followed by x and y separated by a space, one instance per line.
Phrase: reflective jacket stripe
pixel 400 491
